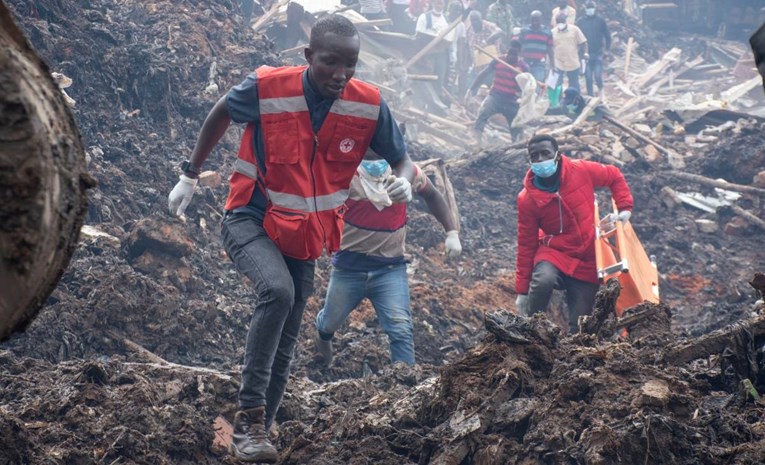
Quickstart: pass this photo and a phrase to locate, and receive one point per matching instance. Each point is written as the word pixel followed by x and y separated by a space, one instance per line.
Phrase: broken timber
pixel 712 343
pixel 695 178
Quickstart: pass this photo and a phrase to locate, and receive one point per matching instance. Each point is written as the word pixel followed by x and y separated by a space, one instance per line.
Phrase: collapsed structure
pixel 134 357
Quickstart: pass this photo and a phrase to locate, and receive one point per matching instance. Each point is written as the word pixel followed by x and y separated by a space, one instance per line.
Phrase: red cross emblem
pixel 346 145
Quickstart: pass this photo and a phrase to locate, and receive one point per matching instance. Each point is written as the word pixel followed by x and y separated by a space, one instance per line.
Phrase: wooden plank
pixel 655 68
pixel 372 23
pixel 705 181
pixel 628 57
pixel 436 40
pixel 436 119
pixel 674 158
pixel 495 57
pixel 713 343
pixel 271 12
pixel 422 77
pixel 735 93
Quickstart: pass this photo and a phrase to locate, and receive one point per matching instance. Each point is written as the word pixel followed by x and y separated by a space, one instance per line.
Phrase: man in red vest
pixel 556 228
pixel 504 93
pixel 308 128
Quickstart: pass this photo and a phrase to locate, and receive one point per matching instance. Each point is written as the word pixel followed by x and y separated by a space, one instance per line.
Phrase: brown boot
pixel 249 442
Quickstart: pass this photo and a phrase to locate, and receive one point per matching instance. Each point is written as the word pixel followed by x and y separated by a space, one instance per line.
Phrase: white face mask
pixel 562 26
pixel 590 11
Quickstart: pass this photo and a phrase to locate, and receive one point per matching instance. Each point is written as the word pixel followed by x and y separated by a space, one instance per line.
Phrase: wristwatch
pixel 187 167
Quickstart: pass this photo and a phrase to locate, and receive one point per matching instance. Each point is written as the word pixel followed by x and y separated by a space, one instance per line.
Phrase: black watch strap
pixel 187 167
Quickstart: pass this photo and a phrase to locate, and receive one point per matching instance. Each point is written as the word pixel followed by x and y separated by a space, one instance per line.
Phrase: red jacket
pixel 307 175
pixel 559 227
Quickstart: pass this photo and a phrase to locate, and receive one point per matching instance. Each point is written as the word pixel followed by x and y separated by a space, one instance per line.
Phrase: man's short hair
pixel 542 138
pixel 515 44
pixel 475 15
pixel 335 24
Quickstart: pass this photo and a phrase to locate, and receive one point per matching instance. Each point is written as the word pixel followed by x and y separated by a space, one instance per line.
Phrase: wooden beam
pixel 705 181
pixel 271 12
pixel 674 157
pixel 748 216
pixel 495 57
pixel 713 343
pixel 422 77
pixel 628 58
pixel 436 40
pixel 372 23
pixel 436 119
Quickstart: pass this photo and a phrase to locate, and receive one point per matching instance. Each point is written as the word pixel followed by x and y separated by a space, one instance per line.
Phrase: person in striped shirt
pixel 370 263
pixel 504 93
pixel 536 46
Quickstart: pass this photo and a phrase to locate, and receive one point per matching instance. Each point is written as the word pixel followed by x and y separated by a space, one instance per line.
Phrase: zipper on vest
pixel 313 184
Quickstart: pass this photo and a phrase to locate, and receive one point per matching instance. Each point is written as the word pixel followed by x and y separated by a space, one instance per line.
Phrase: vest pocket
pixel 289 231
pixel 349 142
pixel 282 142
pixel 336 220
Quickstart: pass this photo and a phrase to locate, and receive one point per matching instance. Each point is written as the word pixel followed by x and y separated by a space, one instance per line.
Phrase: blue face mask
pixel 545 169
pixel 375 168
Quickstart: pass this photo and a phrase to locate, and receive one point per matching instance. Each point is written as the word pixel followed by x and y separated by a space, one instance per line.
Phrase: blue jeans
pixel 388 290
pixel 594 71
pixel 538 70
pixel 283 285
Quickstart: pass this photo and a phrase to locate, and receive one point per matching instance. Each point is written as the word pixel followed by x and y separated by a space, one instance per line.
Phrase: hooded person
pixel 556 233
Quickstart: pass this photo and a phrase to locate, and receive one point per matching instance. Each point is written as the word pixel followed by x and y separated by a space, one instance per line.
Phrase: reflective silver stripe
pixel 246 168
pixel 357 109
pixel 269 106
pixel 308 204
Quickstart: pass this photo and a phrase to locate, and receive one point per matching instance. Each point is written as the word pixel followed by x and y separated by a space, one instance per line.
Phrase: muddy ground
pixel 89 382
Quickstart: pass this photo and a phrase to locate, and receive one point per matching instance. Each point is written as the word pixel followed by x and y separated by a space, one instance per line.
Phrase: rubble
pixel 136 355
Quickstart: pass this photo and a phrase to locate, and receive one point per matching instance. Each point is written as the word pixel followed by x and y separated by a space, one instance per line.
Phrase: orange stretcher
pixel 619 254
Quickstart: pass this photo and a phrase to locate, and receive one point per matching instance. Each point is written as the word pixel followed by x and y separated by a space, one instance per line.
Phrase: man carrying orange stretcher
pixel 556 228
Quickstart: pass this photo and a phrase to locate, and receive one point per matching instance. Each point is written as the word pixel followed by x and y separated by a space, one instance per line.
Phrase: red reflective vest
pixel 307 175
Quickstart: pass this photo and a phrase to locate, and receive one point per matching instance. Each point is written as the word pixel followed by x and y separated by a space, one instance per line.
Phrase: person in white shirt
pixel 563 7
pixel 431 23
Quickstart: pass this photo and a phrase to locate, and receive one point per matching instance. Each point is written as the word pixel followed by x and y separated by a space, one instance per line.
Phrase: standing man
pixel 556 228
pixel 537 46
pixel 501 14
pixel 371 260
pixel 565 8
pixel 482 33
pixel 431 23
pixel 504 93
pixel 308 129
pixel 569 44
pixel 595 29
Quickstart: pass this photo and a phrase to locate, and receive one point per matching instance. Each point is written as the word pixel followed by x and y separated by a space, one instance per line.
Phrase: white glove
pixel 180 196
pixel 399 189
pixel 624 216
pixel 522 304
pixel 453 246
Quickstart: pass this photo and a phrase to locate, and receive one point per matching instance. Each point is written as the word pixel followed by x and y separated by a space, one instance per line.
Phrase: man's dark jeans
pixel 580 295
pixel 283 286
pixel 493 105
pixel 594 72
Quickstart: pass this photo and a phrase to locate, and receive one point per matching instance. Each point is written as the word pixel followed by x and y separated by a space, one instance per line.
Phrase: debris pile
pixel 136 354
